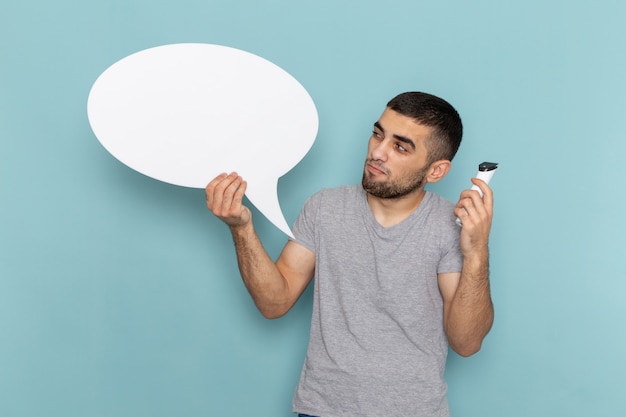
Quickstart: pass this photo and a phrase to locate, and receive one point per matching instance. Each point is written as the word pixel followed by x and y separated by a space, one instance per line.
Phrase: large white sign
pixel 184 113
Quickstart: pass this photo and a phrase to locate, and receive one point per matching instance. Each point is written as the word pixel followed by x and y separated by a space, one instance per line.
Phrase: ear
pixel 438 170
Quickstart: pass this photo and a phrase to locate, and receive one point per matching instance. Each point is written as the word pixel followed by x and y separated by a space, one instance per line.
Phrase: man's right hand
pixel 224 198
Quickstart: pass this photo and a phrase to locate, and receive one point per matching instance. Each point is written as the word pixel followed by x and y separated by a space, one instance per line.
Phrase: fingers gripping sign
pixel 224 197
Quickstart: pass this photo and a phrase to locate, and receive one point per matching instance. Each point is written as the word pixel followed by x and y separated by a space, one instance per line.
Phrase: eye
pixel 401 147
pixel 376 135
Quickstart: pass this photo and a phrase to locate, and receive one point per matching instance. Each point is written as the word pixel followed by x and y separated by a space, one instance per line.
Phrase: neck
pixel 391 211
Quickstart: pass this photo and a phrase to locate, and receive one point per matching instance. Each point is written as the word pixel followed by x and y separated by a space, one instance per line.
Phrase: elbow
pixel 469 342
pixel 468 345
pixel 275 307
pixel 467 350
pixel 273 313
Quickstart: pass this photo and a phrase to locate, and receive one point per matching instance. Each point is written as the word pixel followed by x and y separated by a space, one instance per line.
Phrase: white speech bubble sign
pixel 184 113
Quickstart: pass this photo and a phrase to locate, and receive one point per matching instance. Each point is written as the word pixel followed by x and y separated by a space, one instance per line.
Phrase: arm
pixel 468 309
pixel 274 287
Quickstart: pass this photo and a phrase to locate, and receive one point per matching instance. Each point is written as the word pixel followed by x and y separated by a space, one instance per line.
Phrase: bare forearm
pixel 471 312
pixel 264 282
pixel 267 285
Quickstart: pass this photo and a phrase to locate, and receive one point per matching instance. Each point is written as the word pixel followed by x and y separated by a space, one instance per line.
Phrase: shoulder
pixel 335 195
pixel 441 212
pixel 324 210
pixel 439 201
pixel 333 203
pixel 342 191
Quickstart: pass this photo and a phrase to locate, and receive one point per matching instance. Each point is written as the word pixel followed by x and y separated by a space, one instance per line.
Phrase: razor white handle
pixel 486 176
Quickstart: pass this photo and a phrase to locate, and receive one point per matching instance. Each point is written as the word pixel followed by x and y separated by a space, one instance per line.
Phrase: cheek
pixel 409 170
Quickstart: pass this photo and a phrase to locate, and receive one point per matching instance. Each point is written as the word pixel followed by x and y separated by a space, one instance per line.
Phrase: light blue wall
pixel 119 295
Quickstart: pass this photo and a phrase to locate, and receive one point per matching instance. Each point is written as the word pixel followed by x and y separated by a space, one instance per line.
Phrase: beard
pixel 393 188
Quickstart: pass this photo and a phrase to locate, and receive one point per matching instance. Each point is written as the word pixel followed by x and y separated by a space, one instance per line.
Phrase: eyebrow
pixel 403 139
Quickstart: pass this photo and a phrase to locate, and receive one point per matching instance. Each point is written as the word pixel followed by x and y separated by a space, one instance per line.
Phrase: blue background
pixel 120 296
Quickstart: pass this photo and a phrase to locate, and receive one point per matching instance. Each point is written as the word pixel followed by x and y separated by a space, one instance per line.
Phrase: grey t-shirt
pixel 377 345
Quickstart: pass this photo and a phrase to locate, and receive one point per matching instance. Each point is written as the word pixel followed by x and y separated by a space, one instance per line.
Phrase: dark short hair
pixel 436 113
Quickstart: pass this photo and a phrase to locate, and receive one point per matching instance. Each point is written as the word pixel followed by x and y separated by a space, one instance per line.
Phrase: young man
pixel 396 279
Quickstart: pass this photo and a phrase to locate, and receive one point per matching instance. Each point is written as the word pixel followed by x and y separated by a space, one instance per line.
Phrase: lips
pixel 376 169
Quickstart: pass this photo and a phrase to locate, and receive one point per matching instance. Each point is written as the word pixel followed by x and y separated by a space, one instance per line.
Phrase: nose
pixel 379 150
